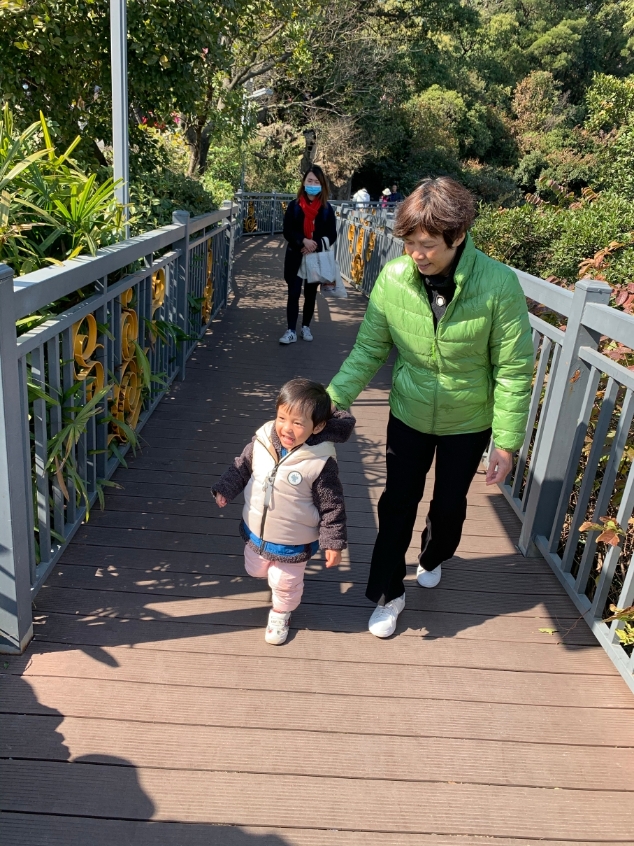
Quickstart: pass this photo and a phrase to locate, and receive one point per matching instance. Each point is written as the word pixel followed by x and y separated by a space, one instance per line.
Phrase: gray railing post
pixel 232 244
pixel 273 213
pixel 182 290
pixel 16 621
pixel 558 428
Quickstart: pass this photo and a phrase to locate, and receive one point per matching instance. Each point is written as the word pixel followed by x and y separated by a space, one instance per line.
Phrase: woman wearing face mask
pixel 308 223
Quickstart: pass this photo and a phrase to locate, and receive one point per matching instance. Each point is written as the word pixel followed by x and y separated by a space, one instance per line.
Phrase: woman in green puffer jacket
pixel 465 361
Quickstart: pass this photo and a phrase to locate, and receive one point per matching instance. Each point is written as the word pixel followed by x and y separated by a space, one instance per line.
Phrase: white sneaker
pixel 307 335
pixel 289 337
pixel 428 578
pixel 277 629
pixel 383 620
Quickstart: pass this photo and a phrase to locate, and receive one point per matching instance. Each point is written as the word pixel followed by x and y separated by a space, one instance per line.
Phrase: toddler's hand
pixel 220 500
pixel 333 557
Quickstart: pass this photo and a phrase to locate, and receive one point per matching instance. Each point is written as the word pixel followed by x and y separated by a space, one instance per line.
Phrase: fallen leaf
pixel 548 631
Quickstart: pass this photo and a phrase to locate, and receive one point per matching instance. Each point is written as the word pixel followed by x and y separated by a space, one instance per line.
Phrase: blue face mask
pixel 312 190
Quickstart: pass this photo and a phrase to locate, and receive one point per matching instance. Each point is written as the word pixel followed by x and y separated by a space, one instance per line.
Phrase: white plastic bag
pixel 321 267
pixel 336 288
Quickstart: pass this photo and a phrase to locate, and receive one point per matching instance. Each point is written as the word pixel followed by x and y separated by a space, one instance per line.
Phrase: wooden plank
pixel 456 576
pixel 324 676
pixel 119 791
pixel 182 636
pixel 215 522
pixel 142 539
pixel 325 755
pixel 198 562
pixel 240 611
pixel 480 518
pixel 324 591
pixel 166 703
pixel 47 830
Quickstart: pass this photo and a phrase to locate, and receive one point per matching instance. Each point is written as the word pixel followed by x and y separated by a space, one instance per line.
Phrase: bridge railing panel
pixel 76 388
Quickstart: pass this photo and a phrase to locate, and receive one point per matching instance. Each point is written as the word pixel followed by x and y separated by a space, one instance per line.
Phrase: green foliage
pixel 50 210
pixel 154 196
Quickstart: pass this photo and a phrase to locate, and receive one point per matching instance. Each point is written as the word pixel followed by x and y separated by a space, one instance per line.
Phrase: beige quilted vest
pixel 278 500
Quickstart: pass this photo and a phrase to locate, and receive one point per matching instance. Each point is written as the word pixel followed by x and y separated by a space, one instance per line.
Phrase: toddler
pixel 293 499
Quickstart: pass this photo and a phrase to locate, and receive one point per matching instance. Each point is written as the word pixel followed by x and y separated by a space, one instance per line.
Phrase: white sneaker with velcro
pixel 277 629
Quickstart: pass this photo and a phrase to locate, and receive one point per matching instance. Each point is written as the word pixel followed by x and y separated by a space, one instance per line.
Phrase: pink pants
pixel 286 580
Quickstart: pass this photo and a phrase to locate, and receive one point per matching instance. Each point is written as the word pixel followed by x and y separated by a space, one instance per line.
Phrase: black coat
pixel 325 227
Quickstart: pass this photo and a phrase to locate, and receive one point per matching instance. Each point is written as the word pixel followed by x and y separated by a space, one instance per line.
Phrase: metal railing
pixel 263 214
pixel 577 460
pixel 76 389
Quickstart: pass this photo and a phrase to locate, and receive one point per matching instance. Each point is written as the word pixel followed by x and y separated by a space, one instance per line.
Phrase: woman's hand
pixel 500 463
pixel 309 246
pixel 220 500
pixel 333 557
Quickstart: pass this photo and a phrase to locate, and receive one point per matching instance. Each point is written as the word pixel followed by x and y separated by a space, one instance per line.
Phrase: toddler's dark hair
pixel 310 398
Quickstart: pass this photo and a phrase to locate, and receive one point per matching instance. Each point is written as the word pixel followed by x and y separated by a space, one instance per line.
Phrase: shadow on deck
pixel 149 709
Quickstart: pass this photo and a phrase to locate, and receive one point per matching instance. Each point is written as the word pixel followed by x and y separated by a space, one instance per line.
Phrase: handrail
pixel 102 365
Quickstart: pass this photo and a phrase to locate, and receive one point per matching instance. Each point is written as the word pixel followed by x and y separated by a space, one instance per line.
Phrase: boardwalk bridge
pixel 139 703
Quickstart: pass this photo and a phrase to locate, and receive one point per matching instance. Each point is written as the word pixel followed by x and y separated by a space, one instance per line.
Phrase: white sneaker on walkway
pixel 428 578
pixel 289 337
pixel 383 620
pixel 277 629
pixel 306 334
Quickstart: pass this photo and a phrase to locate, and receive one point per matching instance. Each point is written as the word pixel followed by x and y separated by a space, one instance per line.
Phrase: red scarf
pixel 311 210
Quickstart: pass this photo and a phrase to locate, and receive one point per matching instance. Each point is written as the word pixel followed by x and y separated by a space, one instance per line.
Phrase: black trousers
pixel 409 456
pixel 292 304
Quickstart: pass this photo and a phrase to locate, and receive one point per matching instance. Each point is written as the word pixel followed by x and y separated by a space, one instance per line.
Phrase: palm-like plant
pixel 50 210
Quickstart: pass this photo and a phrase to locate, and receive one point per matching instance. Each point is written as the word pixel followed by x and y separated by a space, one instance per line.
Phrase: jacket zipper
pixel 269 482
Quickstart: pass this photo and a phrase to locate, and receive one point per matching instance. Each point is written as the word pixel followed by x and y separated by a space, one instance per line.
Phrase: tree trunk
pixel 310 150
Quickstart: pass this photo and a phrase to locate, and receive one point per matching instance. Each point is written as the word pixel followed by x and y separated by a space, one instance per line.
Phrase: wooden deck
pixel 149 709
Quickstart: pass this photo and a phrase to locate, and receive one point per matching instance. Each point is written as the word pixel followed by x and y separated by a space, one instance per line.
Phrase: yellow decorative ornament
pixel 208 293
pixel 357 262
pixel 351 233
pixel 371 243
pixel 128 393
pixel 250 224
pixel 158 289
pixel 84 346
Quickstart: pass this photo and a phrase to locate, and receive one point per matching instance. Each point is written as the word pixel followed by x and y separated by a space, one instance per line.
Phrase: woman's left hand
pixel 309 246
pixel 500 463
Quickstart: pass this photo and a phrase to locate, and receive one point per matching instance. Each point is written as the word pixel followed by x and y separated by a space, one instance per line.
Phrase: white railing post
pixel 548 466
pixel 182 291
pixel 16 621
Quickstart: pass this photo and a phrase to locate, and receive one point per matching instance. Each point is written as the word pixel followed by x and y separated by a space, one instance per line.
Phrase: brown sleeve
pixel 235 479
pixel 329 501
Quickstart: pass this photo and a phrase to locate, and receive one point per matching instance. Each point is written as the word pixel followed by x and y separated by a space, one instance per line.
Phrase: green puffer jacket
pixel 473 372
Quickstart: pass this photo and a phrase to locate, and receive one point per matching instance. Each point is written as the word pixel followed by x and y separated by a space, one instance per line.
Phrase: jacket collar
pixel 465 265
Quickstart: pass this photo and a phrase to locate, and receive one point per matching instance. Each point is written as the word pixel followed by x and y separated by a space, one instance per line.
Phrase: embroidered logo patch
pixel 294 478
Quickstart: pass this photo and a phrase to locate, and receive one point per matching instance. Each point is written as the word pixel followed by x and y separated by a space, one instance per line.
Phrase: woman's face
pixel 311 179
pixel 430 252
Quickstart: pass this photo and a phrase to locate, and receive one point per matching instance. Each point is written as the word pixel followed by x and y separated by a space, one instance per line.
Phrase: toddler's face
pixel 293 428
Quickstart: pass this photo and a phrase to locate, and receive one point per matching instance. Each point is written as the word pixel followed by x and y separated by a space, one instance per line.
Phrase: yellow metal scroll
pixel 84 340
pixel 128 394
pixel 371 244
pixel 158 289
pixel 356 272
pixel 250 224
pixel 208 293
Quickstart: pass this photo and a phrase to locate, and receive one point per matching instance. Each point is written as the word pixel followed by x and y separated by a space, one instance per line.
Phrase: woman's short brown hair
pixel 321 176
pixel 439 206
